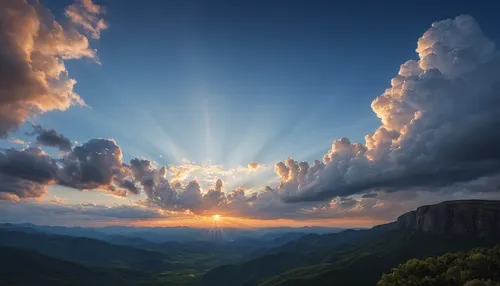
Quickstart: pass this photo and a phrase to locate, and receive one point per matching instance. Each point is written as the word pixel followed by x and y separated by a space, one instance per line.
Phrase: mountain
pixel 308 250
pixel 338 259
pixel 86 250
pixel 77 231
pixel 472 217
pixel 140 236
pixel 184 234
pixel 28 267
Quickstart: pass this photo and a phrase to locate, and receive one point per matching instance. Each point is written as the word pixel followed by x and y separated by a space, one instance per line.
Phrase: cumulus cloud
pixel 438 121
pixel 31 164
pixel 49 137
pixel 33 49
pixel 15 189
pixel 97 164
pixel 171 196
pixel 24 174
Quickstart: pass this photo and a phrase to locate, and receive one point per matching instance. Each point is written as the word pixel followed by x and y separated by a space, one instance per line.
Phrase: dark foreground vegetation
pixel 480 266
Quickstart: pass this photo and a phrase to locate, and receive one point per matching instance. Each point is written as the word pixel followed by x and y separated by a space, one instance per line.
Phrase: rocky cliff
pixel 469 217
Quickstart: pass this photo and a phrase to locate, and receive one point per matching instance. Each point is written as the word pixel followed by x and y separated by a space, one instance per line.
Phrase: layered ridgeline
pixel 54 255
pixel 352 257
pixel 28 267
pixel 361 257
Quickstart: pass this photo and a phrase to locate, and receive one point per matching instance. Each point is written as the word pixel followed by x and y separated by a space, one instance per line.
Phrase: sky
pixel 288 113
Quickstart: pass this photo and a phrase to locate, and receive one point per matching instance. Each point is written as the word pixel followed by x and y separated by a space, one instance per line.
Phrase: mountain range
pixel 86 256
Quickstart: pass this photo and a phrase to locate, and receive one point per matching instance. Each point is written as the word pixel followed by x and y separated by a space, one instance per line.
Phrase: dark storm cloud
pixel 49 137
pixel 25 173
pixel 33 49
pixel 14 188
pixel 31 164
pixel 97 164
pixel 439 121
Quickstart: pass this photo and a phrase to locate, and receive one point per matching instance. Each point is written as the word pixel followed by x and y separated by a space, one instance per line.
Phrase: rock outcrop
pixel 468 217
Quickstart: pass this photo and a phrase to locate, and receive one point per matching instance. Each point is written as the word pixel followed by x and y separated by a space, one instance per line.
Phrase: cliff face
pixel 468 217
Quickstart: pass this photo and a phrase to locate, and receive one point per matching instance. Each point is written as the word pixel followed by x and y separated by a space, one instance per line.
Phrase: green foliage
pixel 360 261
pixel 87 251
pixel 478 267
pixel 27 267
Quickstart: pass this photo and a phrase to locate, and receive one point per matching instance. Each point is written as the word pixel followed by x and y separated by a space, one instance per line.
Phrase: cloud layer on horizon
pixel 83 213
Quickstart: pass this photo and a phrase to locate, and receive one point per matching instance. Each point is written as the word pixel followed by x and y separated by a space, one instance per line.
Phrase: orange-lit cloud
pixel 33 50
pixel 254 165
pixel 87 15
pixel 17 141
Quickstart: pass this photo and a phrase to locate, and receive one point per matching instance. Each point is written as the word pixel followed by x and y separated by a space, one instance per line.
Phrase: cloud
pixel 208 174
pixel 31 164
pixel 162 193
pixel 97 164
pixel 87 15
pixel 85 213
pixel 17 141
pixel 436 140
pixel 437 118
pixel 57 200
pixel 33 49
pixel 49 137
pixel 254 165
pixel 14 189
pixel 24 174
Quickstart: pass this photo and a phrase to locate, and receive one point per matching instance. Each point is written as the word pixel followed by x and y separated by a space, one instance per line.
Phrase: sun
pixel 216 217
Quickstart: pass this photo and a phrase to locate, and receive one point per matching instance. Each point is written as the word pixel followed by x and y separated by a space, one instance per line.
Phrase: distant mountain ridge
pixel 28 267
pixel 84 250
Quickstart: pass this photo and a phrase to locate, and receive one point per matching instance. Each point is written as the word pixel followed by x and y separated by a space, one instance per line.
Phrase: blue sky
pixel 235 82
pixel 211 86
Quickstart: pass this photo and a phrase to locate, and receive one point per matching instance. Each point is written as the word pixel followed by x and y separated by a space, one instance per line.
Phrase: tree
pixel 478 267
